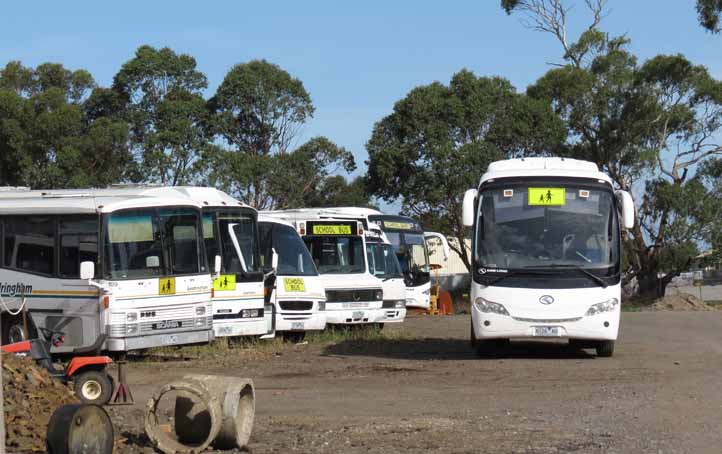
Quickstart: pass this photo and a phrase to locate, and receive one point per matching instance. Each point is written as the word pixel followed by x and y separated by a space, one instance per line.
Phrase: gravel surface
pixel 423 390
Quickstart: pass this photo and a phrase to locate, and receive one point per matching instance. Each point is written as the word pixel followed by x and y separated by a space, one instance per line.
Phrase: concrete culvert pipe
pixel 238 408
pixel 197 418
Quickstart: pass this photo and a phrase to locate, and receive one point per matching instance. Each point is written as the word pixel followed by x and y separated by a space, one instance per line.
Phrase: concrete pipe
pixel 238 408
pixel 198 420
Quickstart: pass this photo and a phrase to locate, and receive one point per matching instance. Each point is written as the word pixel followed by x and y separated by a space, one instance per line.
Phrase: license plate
pixel 546 331
pixel 358 315
pixel 297 326
pixel 169 340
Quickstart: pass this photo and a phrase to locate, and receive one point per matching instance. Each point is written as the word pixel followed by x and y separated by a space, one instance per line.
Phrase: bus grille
pixel 339 296
pixel 296 305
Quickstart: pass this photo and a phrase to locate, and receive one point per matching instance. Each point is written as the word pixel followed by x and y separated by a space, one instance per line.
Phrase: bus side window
pixel 78 243
pixel 30 243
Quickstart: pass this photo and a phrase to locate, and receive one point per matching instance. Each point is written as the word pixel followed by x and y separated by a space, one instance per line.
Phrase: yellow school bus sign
pixel 166 286
pixel 224 282
pixel 294 284
pixel 547 196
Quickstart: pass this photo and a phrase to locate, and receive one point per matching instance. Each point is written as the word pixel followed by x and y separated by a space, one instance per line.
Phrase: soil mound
pixel 31 396
pixel 681 302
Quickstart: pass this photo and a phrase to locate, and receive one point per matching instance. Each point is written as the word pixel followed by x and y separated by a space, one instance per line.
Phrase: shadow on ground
pixel 451 349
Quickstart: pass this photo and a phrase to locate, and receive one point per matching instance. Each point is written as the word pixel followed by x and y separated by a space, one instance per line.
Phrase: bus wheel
pixel 605 349
pixel 17 333
pixel 93 387
pixel 491 348
pixel 293 336
pixel 472 338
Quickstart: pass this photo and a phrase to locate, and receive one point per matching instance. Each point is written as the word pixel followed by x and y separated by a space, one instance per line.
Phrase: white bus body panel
pixel 568 312
pixel 419 297
pixel 180 318
pixel 394 290
pixel 353 312
pixel 229 306
pixel 312 319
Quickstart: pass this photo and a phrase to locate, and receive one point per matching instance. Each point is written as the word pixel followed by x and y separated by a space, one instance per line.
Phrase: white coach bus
pixel 409 242
pixel 109 261
pixel 546 253
pixel 299 296
pixel 384 264
pixel 338 249
pixel 230 231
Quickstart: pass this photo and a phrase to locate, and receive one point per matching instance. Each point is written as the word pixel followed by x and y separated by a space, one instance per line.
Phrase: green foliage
pixel 709 14
pixel 648 126
pixel 166 111
pixel 46 138
pixel 440 139
pixel 258 110
pixel 335 191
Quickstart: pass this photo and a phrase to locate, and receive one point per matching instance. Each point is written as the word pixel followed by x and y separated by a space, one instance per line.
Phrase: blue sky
pixel 356 59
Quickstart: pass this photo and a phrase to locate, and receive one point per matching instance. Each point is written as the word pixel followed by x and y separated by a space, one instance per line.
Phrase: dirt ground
pixel 423 391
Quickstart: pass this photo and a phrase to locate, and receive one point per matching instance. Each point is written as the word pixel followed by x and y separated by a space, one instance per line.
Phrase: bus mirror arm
pixel 274 263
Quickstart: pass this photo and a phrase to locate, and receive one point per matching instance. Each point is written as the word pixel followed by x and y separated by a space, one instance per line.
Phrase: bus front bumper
pixel 365 315
pixel 240 327
pixel 300 321
pixel 124 344
pixel 603 326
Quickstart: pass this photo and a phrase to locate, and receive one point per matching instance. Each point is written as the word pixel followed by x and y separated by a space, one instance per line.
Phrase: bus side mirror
pixel 87 270
pixel 445 250
pixel 274 259
pixel 627 209
pixel 468 207
pixel 217 263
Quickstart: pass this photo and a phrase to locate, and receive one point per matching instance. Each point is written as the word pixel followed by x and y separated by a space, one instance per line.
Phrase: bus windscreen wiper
pixel 598 280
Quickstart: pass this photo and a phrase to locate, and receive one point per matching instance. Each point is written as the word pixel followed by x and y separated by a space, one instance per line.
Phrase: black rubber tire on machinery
pixel 605 349
pixel 101 379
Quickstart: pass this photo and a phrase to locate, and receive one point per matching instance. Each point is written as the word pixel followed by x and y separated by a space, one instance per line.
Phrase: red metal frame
pixel 18 347
pixel 80 362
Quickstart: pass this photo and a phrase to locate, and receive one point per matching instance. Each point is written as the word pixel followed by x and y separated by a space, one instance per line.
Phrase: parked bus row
pixel 156 266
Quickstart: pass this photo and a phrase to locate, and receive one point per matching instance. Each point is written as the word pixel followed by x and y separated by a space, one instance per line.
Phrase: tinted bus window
pixel 78 243
pixel 30 244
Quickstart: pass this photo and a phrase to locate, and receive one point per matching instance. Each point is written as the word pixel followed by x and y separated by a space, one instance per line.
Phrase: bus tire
pixel 605 349
pixel 472 338
pixel 13 330
pixel 93 387
pixel 293 336
pixel 491 348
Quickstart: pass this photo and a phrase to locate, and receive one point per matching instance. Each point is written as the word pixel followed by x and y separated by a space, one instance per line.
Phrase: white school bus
pixel 546 259
pixel 338 248
pixel 299 296
pixel 107 261
pixel 230 231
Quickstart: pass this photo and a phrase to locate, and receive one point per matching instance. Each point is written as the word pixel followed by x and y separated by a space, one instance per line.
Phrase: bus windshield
pixel 147 243
pixel 382 261
pixel 337 254
pixel 237 232
pixel 293 256
pixel 412 255
pixel 547 227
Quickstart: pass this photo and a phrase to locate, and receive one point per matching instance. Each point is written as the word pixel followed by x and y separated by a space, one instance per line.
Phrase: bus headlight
pixel 400 304
pixel 321 306
pixel 131 317
pixel 200 321
pixel 379 295
pixel 606 306
pixel 200 310
pixel 490 307
pixel 131 329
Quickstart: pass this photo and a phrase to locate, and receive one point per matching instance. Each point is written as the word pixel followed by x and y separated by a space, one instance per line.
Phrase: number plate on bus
pixel 169 340
pixel 546 331
pixel 297 326
pixel 358 315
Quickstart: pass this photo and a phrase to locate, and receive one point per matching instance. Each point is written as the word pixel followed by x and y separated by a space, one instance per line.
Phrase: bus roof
pixel 206 196
pixel 263 218
pixel 83 201
pixel 543 167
